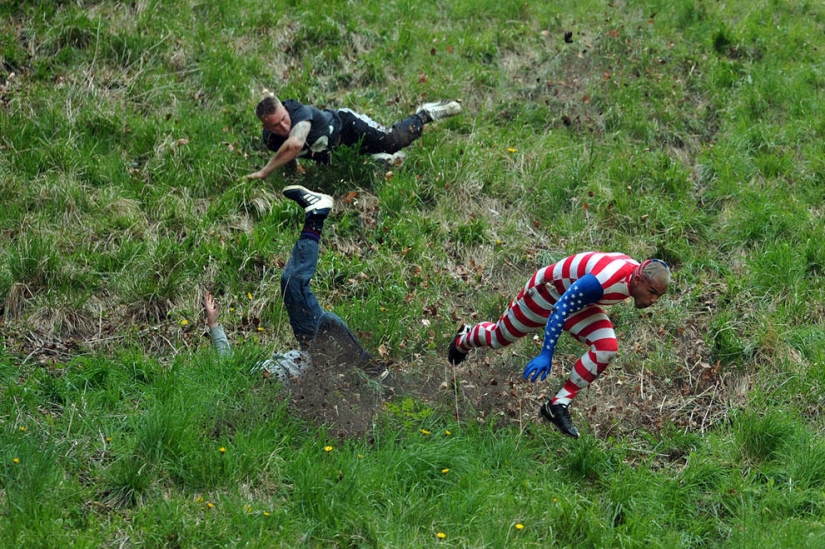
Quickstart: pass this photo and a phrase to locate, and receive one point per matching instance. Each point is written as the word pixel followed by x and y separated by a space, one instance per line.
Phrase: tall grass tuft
pixel 762 437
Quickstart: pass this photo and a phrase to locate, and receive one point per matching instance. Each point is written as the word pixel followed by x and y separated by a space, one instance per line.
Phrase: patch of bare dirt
pixel 627 399
pixel 346 401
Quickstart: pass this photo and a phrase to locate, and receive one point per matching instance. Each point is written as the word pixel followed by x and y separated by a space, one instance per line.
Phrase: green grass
pixel 688 130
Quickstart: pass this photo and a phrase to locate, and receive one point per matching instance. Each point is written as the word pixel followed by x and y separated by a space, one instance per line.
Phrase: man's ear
pixel 637 276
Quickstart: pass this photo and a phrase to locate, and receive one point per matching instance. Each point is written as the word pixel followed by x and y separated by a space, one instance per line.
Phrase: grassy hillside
pixel 684 129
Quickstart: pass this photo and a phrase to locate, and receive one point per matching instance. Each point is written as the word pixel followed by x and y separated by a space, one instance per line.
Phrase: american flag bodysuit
pixel 565 296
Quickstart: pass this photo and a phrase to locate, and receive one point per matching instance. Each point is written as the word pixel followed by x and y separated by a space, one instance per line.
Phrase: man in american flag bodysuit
pixel 567 296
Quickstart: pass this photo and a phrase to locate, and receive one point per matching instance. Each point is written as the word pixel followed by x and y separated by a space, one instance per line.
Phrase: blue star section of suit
pixel 581 293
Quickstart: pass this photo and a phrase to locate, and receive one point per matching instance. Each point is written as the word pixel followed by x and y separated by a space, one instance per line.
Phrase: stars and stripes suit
pixel 565 296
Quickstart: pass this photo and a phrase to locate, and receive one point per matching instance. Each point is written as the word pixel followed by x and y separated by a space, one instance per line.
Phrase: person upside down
pixel 324 338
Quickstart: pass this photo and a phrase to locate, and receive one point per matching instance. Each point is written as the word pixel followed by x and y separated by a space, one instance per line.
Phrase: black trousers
pixel 373 137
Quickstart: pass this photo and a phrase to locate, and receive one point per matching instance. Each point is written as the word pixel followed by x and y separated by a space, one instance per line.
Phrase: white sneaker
pixel 308 200
pixel 389 161
pixel 441 109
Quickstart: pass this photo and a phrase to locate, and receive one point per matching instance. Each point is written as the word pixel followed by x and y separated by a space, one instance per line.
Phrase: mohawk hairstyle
pixel 656 270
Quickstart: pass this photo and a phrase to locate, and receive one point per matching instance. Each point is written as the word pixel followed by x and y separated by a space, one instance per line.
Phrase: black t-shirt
pixel 323 133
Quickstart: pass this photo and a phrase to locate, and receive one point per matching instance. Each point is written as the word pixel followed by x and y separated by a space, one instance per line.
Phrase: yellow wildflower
pixel 424 432
pixel 441 535
pixel 222 450
pixel 327 448
pixel 184 322
pixel 16 460
pixel 445 471
pixel 511 149
pixel 519 526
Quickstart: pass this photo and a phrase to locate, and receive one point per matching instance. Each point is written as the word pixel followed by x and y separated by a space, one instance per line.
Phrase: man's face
pixel 645 292
pixel 278 122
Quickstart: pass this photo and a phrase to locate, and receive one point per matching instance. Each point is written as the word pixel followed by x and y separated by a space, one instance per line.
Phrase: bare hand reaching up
pixel 212 308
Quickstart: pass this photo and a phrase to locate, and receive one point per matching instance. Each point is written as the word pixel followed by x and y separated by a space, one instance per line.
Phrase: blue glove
pixel 539 365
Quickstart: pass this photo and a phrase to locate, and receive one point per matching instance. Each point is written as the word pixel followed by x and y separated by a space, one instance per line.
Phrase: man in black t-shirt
pixel 293 130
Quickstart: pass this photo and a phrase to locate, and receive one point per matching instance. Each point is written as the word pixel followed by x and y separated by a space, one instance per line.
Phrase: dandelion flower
pixel 249 295
pixel 424 432
pixel 184 322
pixel 248 508
pixel 23 428
pixel 445 471
pixel 16 460
pixel 519 526
pixel 210 505
pixel 360 456
pixel 108 439
pixel 266 513
pixel 327 448
pixel 511 149
pixel 555 500
pixel 222 450
pixel 231 309
pixel 260 328
pixel 441 535
pixel 447 433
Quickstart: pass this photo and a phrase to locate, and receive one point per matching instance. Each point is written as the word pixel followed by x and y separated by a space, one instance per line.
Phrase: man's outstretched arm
pixel 287 153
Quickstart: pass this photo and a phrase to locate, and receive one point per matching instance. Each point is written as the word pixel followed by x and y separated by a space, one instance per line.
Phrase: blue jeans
pixel 317 331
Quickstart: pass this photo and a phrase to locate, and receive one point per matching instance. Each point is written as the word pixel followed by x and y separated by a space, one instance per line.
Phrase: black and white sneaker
pixel 558 415
pixel 440 109
pixel 455 356
pixel 311 202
